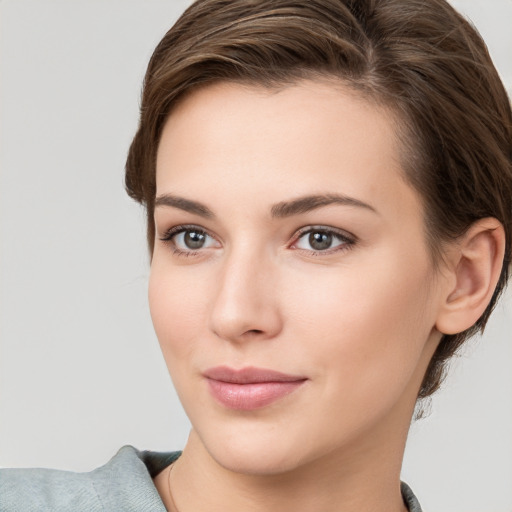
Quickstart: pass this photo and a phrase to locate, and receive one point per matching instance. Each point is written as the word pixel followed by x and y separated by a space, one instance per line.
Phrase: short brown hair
pixel 420 58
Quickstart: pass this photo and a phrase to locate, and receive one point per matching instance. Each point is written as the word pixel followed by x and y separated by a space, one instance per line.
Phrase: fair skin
pixel 339 292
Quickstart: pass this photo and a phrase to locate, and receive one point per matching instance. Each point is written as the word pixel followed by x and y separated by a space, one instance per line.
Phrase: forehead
pixel 317 136
pixel 248 106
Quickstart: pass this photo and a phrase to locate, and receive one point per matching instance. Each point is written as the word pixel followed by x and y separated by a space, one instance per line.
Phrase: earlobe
pixel 476 264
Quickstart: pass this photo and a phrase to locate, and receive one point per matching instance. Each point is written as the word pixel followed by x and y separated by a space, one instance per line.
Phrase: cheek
pixel 177 302
pixel 368 326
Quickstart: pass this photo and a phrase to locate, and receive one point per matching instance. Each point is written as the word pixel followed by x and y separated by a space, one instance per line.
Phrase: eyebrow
pixel 184 204
pixel 280 210
pixel 307 203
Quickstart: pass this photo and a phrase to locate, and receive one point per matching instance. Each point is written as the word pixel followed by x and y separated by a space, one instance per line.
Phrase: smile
pixel 249 388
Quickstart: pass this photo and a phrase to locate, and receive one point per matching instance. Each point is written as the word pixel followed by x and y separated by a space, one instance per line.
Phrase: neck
pixel 361 480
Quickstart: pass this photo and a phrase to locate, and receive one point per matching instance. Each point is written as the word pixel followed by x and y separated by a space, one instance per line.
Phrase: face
pixel 291 287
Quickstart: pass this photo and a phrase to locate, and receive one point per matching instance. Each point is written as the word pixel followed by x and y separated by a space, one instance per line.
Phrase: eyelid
pixel 169 233
pixel 328 229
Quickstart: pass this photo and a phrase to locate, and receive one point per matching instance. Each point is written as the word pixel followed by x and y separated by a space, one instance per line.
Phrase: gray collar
pixel 124 483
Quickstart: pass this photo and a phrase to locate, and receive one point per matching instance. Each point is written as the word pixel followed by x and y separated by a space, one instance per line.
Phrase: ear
pixel 474 267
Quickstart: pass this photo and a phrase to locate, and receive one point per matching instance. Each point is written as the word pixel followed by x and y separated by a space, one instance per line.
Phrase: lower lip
pixel 246 397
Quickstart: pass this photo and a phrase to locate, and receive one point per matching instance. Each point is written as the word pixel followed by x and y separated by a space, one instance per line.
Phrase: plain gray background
pixel 80 369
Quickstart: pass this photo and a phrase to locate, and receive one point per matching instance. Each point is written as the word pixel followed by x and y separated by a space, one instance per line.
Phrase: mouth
pixel 250 388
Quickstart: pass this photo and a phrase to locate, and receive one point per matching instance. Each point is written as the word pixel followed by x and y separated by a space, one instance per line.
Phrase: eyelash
pixel 347 241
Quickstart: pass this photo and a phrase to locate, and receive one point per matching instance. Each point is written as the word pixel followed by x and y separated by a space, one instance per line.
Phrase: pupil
pixel 320 241
pixel 194 240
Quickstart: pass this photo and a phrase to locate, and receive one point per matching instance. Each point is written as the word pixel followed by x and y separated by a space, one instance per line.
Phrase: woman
pixel 328 189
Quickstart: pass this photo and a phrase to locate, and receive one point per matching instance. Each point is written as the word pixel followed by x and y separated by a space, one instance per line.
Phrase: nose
pixel 246 304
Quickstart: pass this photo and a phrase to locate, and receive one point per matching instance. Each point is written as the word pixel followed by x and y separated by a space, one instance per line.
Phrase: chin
pixel 255 461
pixel 248 452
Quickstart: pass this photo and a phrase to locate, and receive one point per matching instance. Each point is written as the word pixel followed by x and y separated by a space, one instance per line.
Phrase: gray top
pixel 124 484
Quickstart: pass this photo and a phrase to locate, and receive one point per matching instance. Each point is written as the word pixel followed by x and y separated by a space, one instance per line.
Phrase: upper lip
pixel 249 375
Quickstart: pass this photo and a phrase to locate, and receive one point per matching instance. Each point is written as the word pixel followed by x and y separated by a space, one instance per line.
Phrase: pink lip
pixel 250 388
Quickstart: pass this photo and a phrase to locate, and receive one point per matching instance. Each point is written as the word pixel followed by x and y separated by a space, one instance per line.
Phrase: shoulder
pixel 123 484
